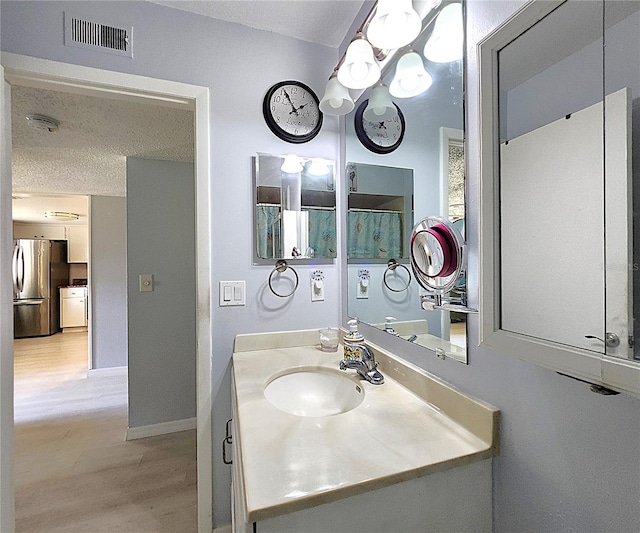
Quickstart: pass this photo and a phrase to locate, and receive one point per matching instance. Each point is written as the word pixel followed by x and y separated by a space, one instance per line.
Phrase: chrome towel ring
pixel 281 266
pixel 392 264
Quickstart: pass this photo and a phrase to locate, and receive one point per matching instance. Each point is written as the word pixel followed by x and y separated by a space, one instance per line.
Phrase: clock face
pixel 381 137
pixel 291 110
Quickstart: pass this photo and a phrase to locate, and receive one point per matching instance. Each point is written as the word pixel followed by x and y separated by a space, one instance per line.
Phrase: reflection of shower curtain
pixel 266 216
pixel 374 234
pixel 322 231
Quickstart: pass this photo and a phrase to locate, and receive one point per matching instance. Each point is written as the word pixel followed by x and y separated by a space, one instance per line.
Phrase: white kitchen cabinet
pixel 73 307
pixel 39 231
pixel 77 244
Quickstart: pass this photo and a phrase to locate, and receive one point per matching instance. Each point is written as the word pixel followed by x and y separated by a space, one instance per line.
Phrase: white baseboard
pixel 162 428
pixel 110 371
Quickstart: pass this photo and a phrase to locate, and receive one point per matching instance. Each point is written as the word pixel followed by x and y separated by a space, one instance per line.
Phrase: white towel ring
pixel 281 266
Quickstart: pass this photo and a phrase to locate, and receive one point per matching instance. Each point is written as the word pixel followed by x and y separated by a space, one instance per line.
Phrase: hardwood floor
pixel 74 470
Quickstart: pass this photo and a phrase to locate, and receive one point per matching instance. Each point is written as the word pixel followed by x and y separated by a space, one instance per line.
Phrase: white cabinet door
pixel 39 231
pixel 78 244
pixel 73 312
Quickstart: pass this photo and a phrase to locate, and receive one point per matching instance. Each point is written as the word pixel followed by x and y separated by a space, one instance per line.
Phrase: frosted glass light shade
pixel 318 167
pixel 291 164
pixel 360 69
pixel 411 79
pixel 446 41
pixel 336 99
pixel 380 107
pixel 394 25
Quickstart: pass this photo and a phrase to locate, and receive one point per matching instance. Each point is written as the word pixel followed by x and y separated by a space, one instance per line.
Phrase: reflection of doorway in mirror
pixel 456 181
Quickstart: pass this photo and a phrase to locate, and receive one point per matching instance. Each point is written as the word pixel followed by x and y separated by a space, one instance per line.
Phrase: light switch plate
pixel 232 293
pixel 146 282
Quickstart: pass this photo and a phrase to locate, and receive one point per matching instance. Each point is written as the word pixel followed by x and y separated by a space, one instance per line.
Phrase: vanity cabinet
pixel 414 455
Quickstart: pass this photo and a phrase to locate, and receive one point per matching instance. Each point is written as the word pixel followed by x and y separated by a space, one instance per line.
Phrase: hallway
pixel 74 470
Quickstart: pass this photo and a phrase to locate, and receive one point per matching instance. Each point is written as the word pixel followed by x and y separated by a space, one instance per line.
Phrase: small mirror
pixel 295 207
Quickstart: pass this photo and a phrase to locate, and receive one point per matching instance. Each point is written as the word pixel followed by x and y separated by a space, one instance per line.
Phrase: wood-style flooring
pixel 74 470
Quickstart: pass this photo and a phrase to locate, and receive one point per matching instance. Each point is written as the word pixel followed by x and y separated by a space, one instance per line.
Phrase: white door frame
pixel 77 79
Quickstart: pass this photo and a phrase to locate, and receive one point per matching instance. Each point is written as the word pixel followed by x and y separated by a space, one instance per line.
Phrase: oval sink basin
pixel 314 393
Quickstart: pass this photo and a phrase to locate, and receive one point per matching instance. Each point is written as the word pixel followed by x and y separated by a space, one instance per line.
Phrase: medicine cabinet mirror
pixel 295 207
pixel 560 126
pixel 389 193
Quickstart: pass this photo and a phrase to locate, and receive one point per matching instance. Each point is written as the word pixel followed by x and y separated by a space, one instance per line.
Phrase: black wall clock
pixel 291 110
pixel 379 137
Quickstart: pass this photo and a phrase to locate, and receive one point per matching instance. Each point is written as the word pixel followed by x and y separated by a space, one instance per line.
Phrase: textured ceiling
pixel 317 21
pixel 88 153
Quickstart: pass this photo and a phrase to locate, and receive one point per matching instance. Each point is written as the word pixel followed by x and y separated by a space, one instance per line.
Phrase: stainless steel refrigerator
pixel 39 268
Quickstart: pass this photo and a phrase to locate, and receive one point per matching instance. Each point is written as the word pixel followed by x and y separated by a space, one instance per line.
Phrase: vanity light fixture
pixel 446 41
pixel 359 69
pixel 411 78
pixel 336 99
pixel 380 107
pixel 318 167
pixel 61 215
pixel 394 25
pixel 291 165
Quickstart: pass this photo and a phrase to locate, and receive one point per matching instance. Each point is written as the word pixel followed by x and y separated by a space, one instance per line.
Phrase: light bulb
pixel 411 78
pixel 394 25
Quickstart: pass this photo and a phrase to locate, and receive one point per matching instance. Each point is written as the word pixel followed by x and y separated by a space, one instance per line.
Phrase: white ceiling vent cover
pixel 83 33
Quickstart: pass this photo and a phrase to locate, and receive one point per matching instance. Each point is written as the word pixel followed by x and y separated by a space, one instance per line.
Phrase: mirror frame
pixel 618 374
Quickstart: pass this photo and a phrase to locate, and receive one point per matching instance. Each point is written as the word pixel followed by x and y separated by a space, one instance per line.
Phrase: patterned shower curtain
pixel 373 234
pixel 322 231
pixel 266 215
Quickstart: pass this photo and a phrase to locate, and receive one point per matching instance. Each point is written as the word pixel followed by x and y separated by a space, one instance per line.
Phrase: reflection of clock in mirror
pixel 381 137
pixel 291 110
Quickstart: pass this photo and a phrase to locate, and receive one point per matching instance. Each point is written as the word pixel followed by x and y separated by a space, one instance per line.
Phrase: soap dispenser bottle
pixel 352 341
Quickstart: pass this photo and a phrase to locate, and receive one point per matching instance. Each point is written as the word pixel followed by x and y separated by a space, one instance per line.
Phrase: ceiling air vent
pixel 83 33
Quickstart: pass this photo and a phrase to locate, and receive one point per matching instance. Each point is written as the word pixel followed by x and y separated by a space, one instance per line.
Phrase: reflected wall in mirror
pixel 566 149
pixel 295 207
pixel 431 156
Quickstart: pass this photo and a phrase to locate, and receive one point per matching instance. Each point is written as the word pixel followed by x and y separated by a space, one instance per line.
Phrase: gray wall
pixel 569 459
pixel 108 281
pixel 161 323
pixel 238 64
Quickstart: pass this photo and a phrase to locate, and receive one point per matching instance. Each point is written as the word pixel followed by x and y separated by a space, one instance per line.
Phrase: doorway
pixel 82 80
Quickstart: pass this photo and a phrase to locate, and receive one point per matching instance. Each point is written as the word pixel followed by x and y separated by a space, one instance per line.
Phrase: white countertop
pixel 412 425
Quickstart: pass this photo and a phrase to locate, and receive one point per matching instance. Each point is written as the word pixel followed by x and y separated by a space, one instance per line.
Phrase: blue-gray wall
pixel 162 323
pixel 108 281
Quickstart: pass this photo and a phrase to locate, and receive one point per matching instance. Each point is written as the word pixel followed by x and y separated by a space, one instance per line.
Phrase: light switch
pixel 146 282
pixel 232 293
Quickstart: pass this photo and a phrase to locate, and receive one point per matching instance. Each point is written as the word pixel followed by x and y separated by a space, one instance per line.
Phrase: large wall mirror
pixel 390 190
pixel 561 132
pixel 295 207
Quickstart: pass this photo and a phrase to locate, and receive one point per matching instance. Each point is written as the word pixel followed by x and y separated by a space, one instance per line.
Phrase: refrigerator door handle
pixel 14 267
pixel 27 302
pixel 21 269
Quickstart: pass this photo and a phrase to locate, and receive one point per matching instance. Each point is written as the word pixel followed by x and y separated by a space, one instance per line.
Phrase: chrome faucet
pixel 365 365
